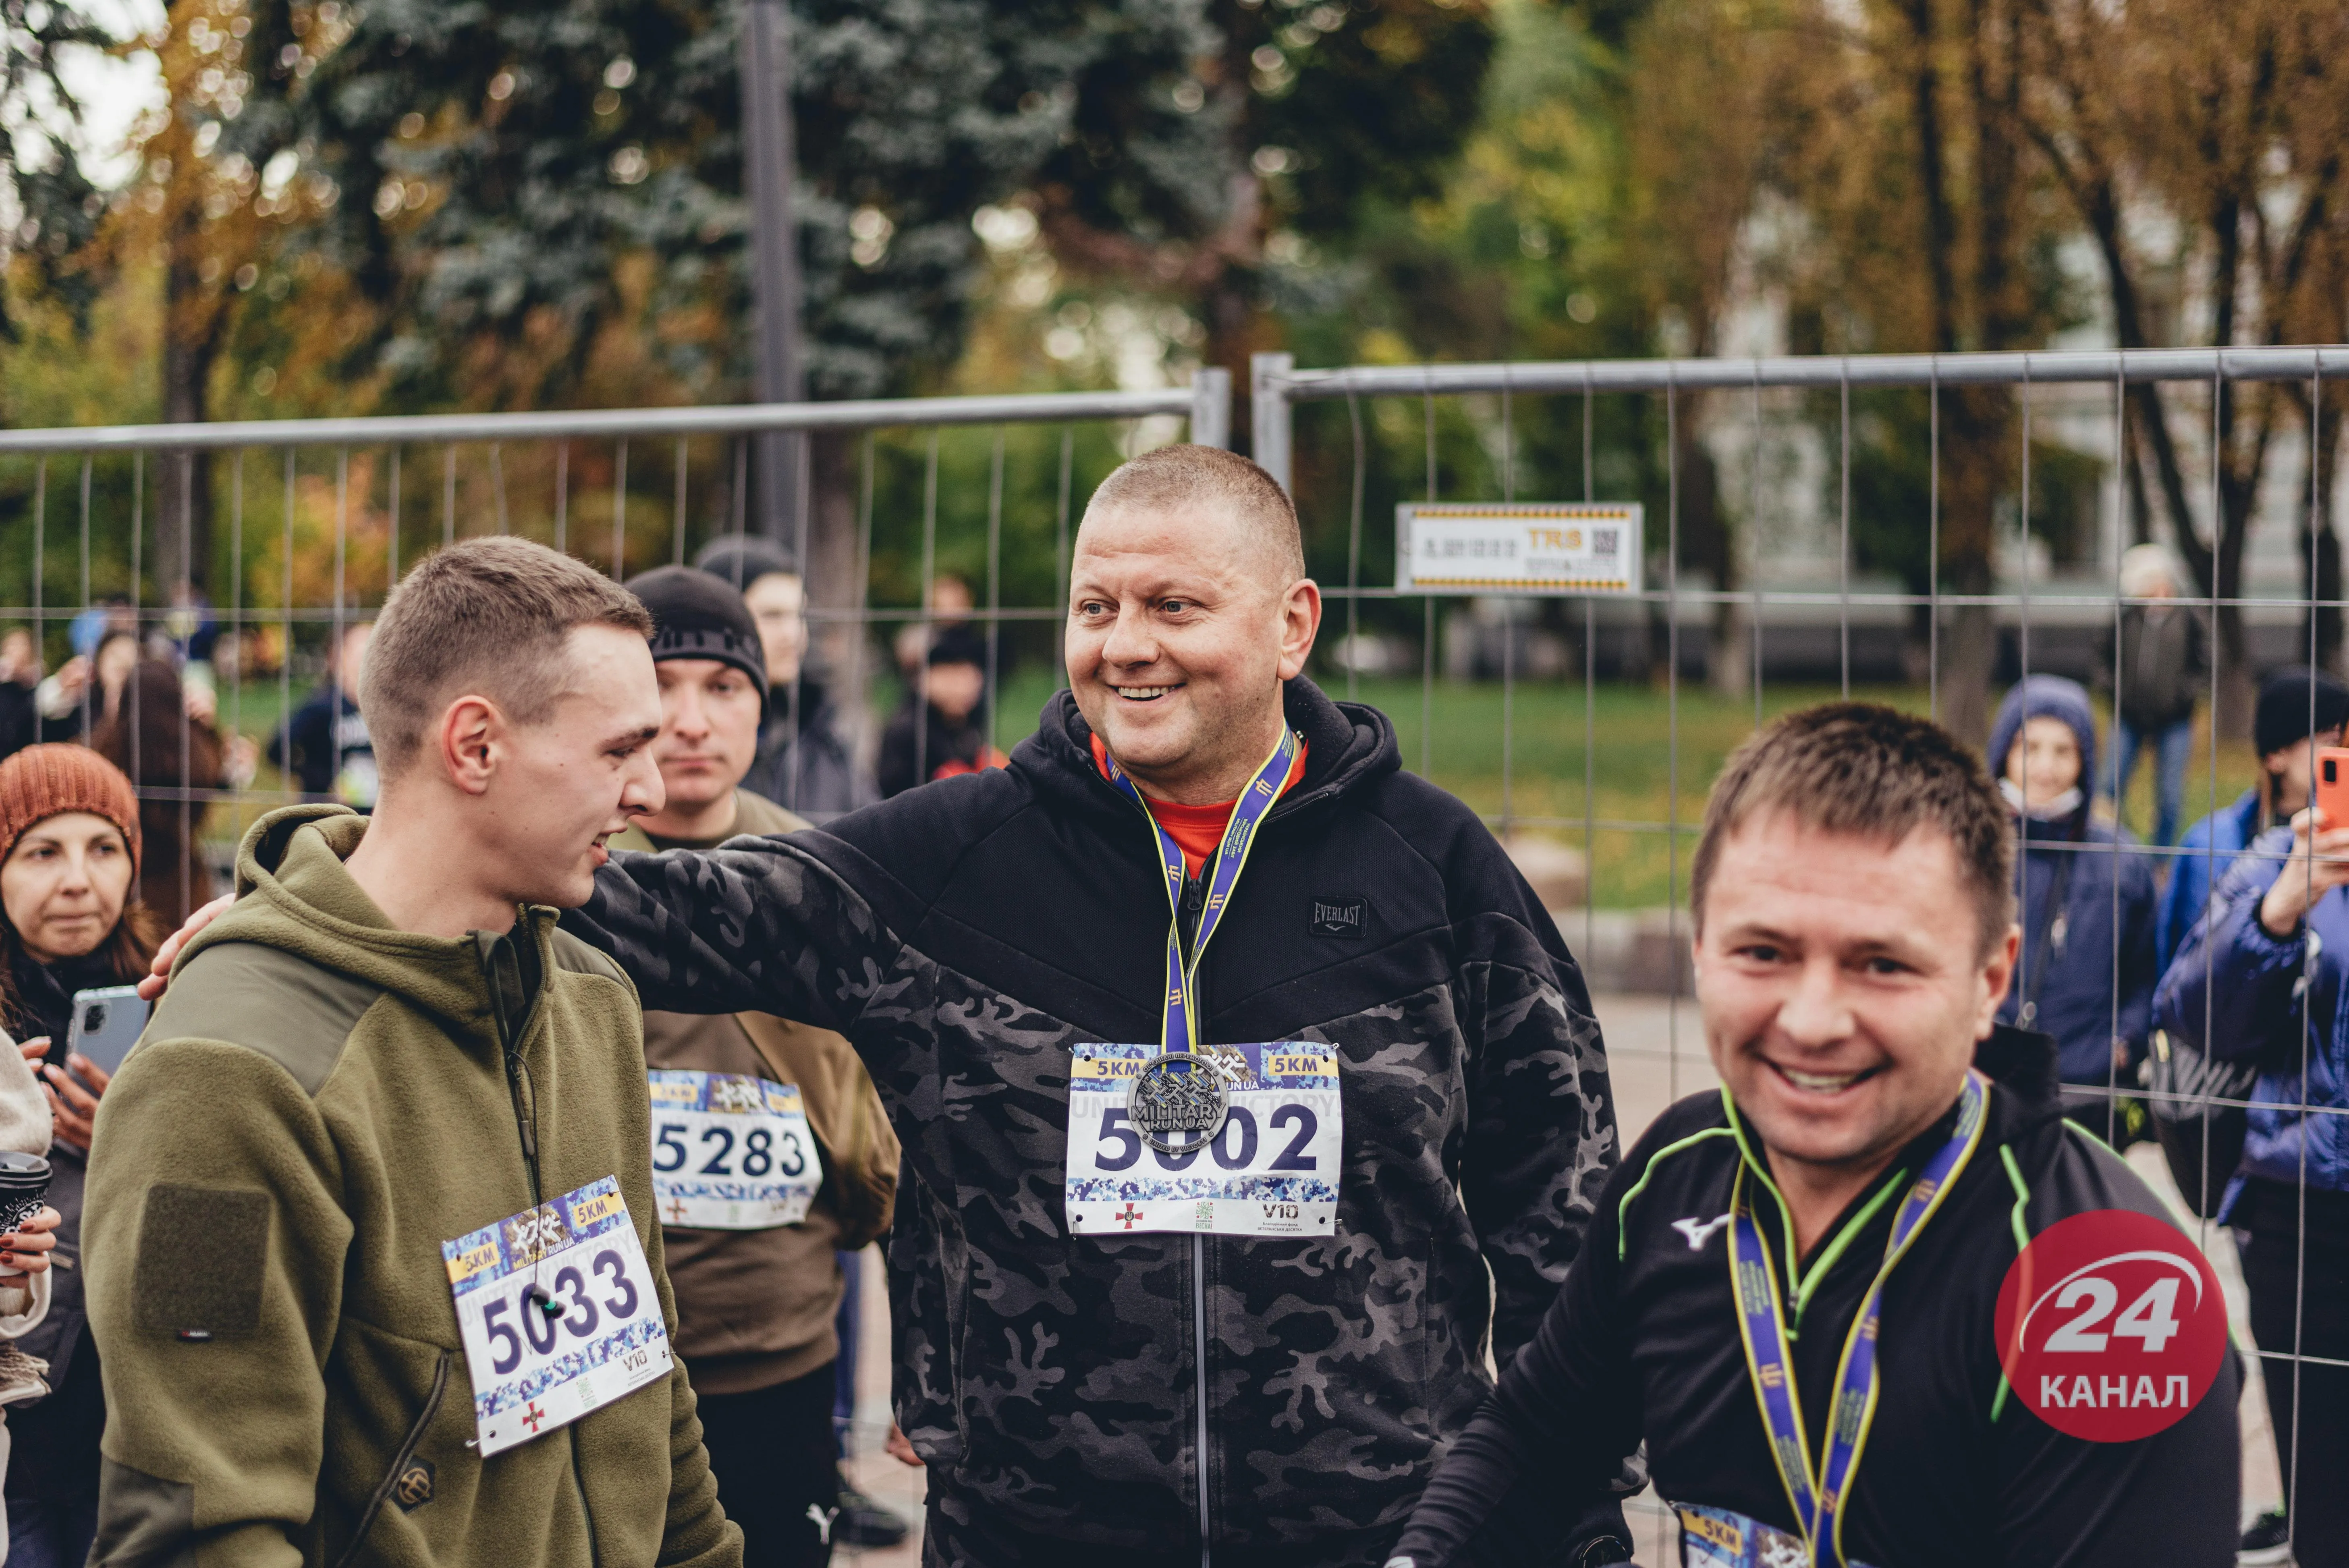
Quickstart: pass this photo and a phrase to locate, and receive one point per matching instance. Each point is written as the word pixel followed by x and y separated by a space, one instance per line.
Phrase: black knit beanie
pixel 741 558
pixel 2292 708
pixel 696 615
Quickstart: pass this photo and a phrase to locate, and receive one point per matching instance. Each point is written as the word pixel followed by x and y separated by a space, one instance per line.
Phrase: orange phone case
pixel 2332 784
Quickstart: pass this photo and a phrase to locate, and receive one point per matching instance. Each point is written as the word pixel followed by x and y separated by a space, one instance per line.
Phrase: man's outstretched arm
pixel 759 925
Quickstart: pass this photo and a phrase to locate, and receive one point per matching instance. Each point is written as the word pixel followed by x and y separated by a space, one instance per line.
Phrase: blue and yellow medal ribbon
pixel 1819 1494
pixel 1179 1028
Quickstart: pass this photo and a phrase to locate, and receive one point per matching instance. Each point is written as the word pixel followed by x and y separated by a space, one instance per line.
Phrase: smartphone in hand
pixel 2332 785
pixel 106 1023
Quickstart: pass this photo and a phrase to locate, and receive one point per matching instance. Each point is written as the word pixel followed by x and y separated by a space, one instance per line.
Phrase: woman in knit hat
pixel 69 921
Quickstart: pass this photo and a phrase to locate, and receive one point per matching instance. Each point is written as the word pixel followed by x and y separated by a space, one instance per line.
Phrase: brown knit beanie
pixel 44 781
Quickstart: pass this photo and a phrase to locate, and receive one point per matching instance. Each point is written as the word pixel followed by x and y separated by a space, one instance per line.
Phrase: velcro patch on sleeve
pixel 202 1253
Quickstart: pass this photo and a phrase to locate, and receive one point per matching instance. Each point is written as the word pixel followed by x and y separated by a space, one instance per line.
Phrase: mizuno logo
pixel 1700 1232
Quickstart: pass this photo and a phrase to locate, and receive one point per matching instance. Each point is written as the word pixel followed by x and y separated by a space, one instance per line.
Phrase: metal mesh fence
pixel 235 584
pixel 1922 530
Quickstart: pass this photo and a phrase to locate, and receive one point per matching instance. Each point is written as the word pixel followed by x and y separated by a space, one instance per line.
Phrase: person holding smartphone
pixel 69 922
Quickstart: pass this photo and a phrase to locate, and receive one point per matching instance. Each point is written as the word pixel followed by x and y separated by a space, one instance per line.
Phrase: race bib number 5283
pixel 558 1312
pixel 1270 1169
pixel 730 1152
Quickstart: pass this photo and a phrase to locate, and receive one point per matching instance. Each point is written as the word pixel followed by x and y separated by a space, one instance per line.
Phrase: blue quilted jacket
pixel 2237 993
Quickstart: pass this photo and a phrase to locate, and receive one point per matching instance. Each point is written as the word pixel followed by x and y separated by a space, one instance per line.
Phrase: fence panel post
pixel 1211 407
pixel 1269 413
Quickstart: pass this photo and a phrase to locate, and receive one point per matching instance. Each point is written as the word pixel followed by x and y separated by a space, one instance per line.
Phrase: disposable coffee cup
pixel 24 1188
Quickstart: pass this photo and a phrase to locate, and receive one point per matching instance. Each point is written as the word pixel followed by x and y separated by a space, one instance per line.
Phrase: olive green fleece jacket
pixel 319 1101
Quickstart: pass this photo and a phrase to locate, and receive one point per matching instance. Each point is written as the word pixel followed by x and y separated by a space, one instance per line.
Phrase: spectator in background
pixel 756 1297
pixel 2276 935
pixel 168 750
pixel 90 628
pixel 941 729
pixel 950 608
pixel 325 745
pixel 24 1280
pixel 20 674
pixel 2296 714
pixel 190 625
pixel 2162 667
pixel 808 763
pixel 69 858
pixel 807 760
pixel 2085 903
pixel 87 689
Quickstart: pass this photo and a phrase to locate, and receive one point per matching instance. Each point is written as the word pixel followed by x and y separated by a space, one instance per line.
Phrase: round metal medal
pixel 1178 1092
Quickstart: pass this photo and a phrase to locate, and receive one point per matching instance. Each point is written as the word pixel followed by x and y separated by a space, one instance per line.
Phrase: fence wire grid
pixel 296 530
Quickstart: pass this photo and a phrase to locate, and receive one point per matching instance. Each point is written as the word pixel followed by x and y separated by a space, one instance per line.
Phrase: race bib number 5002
pixel 533 1368
pixel 1270 1168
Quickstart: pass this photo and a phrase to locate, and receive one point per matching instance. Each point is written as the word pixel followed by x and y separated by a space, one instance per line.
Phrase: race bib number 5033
pixel 1269 1169
pixel 558 1312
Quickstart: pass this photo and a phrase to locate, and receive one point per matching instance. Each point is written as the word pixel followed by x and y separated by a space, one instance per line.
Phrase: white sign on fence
pixel 1517 547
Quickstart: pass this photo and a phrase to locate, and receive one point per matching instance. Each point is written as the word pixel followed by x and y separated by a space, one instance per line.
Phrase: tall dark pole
pixel 781 483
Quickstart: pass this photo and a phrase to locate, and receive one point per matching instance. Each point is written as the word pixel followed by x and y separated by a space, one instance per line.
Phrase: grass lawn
pixel 1630 769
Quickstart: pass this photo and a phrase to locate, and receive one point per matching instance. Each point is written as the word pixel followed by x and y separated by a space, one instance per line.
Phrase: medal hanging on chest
pixel 1819 1495
pixel 1180 1100
pixel 1239 1140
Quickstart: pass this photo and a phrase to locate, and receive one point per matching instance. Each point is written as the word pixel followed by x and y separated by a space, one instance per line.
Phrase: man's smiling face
pixel 1181 629
pixel 1844 985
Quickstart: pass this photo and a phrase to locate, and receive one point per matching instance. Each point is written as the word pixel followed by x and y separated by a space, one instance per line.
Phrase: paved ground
pixel 1656 1051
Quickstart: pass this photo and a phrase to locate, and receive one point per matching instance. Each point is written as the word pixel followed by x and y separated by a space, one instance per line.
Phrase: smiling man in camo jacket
pixel 1141 1374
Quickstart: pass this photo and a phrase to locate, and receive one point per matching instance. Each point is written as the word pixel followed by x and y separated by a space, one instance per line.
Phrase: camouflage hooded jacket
pixel 1284 1399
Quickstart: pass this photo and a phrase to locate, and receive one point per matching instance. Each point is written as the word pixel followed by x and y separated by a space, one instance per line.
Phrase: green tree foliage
pixel 504 162
pixel 55 207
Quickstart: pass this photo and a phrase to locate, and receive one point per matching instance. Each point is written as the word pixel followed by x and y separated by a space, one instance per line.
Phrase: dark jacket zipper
pixel 398 1462
pixel 509 1039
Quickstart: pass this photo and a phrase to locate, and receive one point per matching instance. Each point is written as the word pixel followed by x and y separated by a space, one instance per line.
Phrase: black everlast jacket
pixel 966 933
pixel 1644 1342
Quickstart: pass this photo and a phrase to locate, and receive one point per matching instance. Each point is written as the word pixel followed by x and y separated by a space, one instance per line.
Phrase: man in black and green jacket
pixel 382 1079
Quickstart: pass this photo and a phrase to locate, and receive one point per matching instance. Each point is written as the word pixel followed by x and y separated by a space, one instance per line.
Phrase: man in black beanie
pixel 941 729
pixel 2297 713
pixel 755 1248
pixel 806 759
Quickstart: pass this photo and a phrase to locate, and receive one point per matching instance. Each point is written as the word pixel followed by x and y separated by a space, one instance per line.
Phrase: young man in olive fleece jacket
pixel 385 1046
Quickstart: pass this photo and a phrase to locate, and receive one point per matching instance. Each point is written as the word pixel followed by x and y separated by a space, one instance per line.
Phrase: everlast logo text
pixel 1340 915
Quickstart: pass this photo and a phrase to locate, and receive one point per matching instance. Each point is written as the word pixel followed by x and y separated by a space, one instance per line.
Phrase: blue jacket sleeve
pixel 2190 887
pixel 2232 991
pixel 2139 967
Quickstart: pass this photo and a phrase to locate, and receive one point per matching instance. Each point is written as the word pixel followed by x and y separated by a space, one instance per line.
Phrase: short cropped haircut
pixel 1875 773
pixel 486 615
pixel 1179 476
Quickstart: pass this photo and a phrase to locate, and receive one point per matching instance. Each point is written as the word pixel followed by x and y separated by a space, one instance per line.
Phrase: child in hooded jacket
pixel 2086 904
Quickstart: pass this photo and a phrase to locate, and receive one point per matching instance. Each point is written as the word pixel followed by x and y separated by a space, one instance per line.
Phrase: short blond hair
pixel 1178 476
pixel 489 615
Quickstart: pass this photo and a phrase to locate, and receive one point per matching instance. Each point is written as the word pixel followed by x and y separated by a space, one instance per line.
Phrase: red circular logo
pixel 2110 1325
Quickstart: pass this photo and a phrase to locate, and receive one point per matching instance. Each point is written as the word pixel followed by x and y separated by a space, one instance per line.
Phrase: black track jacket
pixel 963 935
pixel 1644 1342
